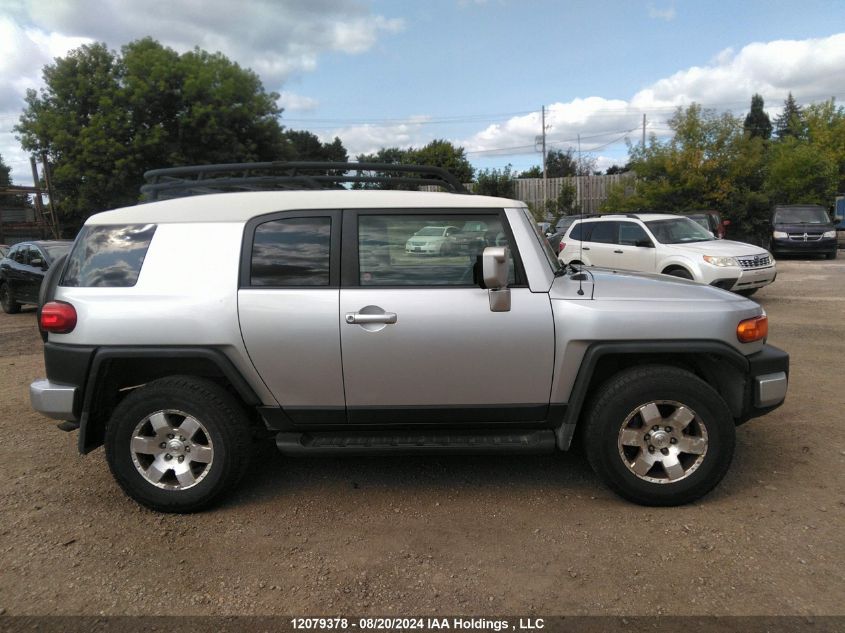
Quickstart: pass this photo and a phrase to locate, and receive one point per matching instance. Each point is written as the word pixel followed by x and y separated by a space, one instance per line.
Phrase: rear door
pixel 602 243
pixel 420 343
pixel 288 308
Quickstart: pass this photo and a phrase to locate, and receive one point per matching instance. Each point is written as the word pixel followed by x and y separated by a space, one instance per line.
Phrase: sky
pixel 385 73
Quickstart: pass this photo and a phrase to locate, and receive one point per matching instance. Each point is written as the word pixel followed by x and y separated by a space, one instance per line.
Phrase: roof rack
pixel 175 182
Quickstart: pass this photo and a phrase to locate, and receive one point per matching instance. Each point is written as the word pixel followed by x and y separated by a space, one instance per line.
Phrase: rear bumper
pixel 55 400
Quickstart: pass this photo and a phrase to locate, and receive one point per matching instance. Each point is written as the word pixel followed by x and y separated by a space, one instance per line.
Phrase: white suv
pixel 669 244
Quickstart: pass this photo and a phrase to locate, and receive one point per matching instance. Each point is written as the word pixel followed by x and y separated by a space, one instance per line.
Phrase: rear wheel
pixel 659 435
pixel 7 301
pixel 178 444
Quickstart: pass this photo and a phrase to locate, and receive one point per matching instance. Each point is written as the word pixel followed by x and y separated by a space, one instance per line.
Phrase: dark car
pixel 23 268
pixel 802 229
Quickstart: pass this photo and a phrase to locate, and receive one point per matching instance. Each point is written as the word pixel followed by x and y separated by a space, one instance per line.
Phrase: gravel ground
pixel 457 535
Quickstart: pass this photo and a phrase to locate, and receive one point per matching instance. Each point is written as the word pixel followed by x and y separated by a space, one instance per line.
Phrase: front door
pixel 420 343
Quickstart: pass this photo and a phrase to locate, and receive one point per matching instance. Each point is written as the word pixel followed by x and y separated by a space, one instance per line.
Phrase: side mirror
pixel 495 266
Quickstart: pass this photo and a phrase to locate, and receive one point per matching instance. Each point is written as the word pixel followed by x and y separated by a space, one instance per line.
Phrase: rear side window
pixel 108 256
pixel 604 233
pixel 291 252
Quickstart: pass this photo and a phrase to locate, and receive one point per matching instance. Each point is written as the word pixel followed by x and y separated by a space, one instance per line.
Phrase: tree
pixel 710 163
pixel 496 182
pixel 562 163
pixel 304 145
pixel 441 153
pixel 791 120
pixel 104 118
pixel 799 173
pixel 757 123
pixel 438 153
pixel 616 169
pixel 532 172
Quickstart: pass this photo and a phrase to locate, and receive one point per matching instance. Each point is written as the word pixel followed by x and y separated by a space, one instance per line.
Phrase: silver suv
pixel 180 331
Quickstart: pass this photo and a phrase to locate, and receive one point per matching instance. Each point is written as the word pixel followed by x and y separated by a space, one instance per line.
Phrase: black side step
pixel 536 441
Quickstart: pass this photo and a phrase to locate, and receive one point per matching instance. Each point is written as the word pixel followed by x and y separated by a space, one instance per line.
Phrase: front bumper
pixel 767 383
pixel 52 399
pixel 797 247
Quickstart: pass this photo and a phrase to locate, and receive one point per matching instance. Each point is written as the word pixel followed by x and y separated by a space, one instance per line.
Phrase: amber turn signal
pixel 751 330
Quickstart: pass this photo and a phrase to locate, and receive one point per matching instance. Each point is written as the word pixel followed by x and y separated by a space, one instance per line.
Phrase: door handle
pixel 585 248
pixel 620 252
pixel 356 318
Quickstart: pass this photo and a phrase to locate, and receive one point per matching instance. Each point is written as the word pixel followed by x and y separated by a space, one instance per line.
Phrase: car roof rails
pixel 175 182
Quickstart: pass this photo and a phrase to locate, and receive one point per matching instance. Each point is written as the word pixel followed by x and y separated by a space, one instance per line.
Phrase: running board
pixel 542 441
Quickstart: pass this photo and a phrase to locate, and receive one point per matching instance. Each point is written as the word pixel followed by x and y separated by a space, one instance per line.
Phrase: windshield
pixel 678 231
pixel 801 215
pixel 431 231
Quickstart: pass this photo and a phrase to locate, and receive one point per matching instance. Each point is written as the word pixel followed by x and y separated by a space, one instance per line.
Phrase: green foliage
pixel 757 122
pixel 496 182
pixel 799 173
pixel 561 163
pixel 437 153
pixel 533 172
pixel 104 118
pixel 304 145
pixel 714 162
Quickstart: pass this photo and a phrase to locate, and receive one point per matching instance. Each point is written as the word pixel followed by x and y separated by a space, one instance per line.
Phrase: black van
pixel 802 229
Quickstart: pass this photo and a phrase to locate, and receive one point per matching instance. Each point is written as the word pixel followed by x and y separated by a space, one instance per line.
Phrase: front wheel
pixel 659 435
pixel 7 302
pixel 178 444
pixel 681 273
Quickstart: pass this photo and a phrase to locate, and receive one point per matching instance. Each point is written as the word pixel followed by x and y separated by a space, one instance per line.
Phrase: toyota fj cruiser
pixel 180 330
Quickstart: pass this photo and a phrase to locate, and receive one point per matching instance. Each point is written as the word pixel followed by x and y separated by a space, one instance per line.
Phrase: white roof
pixel 241 206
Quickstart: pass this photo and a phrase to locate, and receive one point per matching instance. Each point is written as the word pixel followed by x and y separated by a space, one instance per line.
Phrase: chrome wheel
pixel 662 441
pixel 171 450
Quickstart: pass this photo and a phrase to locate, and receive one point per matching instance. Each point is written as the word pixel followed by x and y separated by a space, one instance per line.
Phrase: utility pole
pixel 545 181
pixel 643 130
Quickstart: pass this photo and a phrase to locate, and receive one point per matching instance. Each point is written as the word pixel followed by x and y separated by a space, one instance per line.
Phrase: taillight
pixel 560 247
pixel 58 317
pixel 751 330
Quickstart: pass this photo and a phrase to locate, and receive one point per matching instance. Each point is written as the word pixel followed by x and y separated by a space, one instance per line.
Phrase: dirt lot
pixel 452 535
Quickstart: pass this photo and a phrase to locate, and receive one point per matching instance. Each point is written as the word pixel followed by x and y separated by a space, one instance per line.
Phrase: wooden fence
pixel 590 191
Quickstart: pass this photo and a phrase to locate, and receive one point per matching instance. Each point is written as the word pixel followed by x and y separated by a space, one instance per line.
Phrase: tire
pixel 831 255
pixel 7 302
pixel 616 429
pixel 681 273
pixel 210 454
pixel 747 293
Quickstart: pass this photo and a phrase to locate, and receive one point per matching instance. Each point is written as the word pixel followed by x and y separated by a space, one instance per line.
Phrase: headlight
pixel 720 261
pixel 829 234
pixel 780 235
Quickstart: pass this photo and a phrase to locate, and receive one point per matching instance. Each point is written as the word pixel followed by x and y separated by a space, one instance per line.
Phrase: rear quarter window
pixel 108 256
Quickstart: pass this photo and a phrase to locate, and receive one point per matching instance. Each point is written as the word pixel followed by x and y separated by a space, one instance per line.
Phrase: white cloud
pixel 812 70
pixel 296 103
pixel 369 138
pixel 667 13
pixel 276 38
